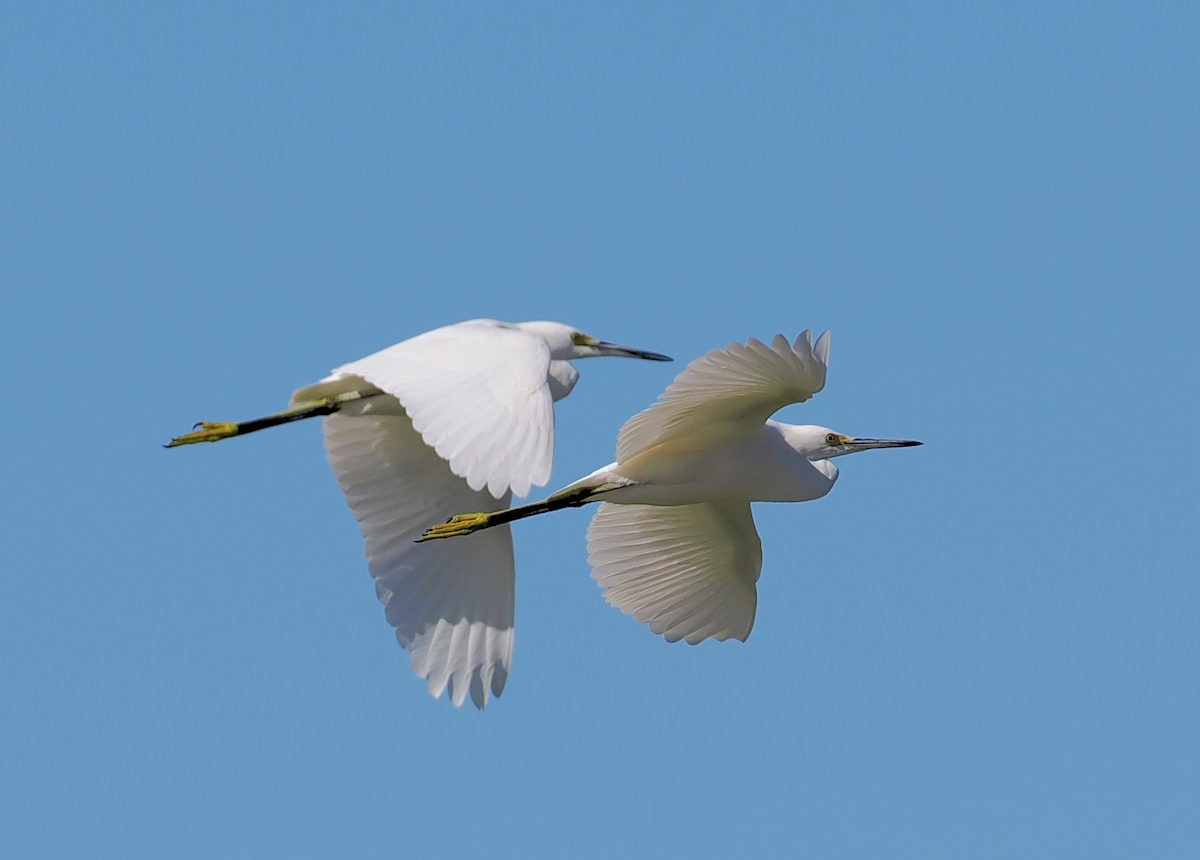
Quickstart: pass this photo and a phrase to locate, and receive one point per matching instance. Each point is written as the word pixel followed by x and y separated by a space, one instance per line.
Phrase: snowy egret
pixel 456 418
pixel 673 543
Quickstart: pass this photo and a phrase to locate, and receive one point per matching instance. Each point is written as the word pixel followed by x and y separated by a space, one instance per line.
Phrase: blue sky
pixel 986 647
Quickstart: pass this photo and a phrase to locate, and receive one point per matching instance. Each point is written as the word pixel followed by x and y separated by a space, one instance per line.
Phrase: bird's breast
pixel 561 376
pixel 757 468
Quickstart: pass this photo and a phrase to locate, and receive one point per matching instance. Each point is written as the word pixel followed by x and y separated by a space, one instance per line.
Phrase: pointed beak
pixel 603 347
pixel 868 444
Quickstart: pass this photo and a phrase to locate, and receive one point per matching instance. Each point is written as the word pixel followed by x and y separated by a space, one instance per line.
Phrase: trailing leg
pixel 215 431
pixel 465 524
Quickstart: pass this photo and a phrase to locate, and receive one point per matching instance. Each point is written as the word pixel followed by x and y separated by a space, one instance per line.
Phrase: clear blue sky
pixel 985 647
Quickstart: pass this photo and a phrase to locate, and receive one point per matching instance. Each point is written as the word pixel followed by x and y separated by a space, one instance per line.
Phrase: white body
pixel 747 467
pixel 673 542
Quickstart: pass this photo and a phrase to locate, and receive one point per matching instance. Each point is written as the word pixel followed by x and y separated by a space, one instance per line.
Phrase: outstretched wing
pixel 477 393
pixel 740 384
pixel 688 571
pixel 451 602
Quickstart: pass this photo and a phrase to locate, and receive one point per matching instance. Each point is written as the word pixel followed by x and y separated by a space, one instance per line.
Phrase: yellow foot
pixel 459 524
pixel 209 431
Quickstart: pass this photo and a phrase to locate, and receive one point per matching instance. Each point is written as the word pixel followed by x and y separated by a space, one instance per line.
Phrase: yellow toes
pixel 209 431
pixel 457 525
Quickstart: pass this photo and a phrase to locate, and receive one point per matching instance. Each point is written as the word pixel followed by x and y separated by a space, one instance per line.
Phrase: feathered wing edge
pixel 740 383
pixel 478 394
pixel 688 571
pixel 451 605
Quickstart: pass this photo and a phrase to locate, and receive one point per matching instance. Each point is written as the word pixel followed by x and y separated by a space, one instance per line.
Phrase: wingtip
pixel 821 348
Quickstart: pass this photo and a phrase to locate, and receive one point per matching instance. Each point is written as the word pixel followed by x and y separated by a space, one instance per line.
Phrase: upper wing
pixel 742 383
pixel 477 392
pixel 451 602
pixel 688 571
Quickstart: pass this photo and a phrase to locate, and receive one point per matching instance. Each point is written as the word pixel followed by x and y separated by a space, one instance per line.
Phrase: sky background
pixel 985 647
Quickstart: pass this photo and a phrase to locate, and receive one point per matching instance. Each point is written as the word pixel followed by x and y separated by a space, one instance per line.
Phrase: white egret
pixel 673 543
pixel 456 418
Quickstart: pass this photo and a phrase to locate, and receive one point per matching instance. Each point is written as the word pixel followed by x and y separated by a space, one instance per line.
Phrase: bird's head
pixel 821 443
pixel 567 342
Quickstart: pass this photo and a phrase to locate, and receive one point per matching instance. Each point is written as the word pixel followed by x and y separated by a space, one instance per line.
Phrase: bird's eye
pixel 833 439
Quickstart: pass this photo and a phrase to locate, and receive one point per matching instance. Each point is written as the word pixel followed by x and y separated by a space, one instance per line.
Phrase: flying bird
pixel 673 542
pixel 457 418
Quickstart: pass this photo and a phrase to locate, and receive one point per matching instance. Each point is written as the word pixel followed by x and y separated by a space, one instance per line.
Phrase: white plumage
pixel 459 417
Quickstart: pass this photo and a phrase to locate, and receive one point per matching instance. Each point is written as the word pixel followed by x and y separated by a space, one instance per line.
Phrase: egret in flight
pixel 454 419
pixel 673 542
